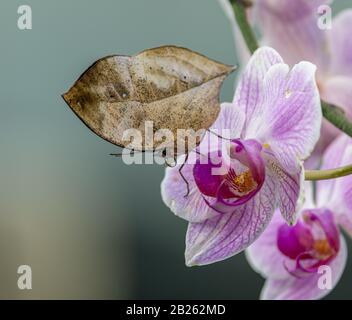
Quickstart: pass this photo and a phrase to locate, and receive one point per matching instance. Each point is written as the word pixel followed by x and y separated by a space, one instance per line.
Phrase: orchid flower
pixel 274 122
pixel 290 257
pixel 291 28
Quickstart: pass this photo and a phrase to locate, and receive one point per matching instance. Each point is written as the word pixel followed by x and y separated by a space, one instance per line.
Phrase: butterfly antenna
pixel 131 152
pixel 219 136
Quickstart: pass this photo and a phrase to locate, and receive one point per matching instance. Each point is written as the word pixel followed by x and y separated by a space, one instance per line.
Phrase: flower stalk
pixel 330 112
pixel 315 175
pixel 239 9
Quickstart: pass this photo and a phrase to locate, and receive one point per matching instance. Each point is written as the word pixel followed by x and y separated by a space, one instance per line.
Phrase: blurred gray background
pixel 89 225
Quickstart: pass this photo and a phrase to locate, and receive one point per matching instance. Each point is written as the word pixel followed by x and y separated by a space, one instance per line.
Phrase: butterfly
pixel 169 87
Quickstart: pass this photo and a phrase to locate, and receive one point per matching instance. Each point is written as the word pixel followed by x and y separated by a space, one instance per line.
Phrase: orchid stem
pixel 314 175
pixel 239 9
pixel 332 113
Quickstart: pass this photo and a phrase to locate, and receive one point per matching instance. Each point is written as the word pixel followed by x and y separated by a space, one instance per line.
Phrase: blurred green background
pixel 89 225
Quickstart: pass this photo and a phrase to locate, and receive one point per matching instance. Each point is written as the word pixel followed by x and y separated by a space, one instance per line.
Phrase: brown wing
pixel 174 88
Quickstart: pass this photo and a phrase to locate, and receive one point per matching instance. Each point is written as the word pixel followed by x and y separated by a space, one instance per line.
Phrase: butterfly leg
pixel 183 177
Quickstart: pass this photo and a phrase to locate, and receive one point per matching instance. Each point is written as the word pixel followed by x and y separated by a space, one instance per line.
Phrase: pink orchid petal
pixel 230 121
pixel 336 194
pixel 333 158
pixel 328 133
pixel 337 90
pixel 341 44
pixel 293 288
pixel 309 198
pixel 224 236
pixel 282 107
pixel 173 190
pixel 249 93
pixel 345 185
pixel 290 188
pixel 293 116
pixel 228 125
pixel 263 255
pixel 291 28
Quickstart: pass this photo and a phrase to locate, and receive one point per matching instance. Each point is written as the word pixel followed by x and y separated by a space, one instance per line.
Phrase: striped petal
pixel 226 235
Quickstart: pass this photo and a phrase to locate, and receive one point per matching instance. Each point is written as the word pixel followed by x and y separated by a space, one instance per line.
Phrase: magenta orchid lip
pixel 243 177
pixel 312 242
